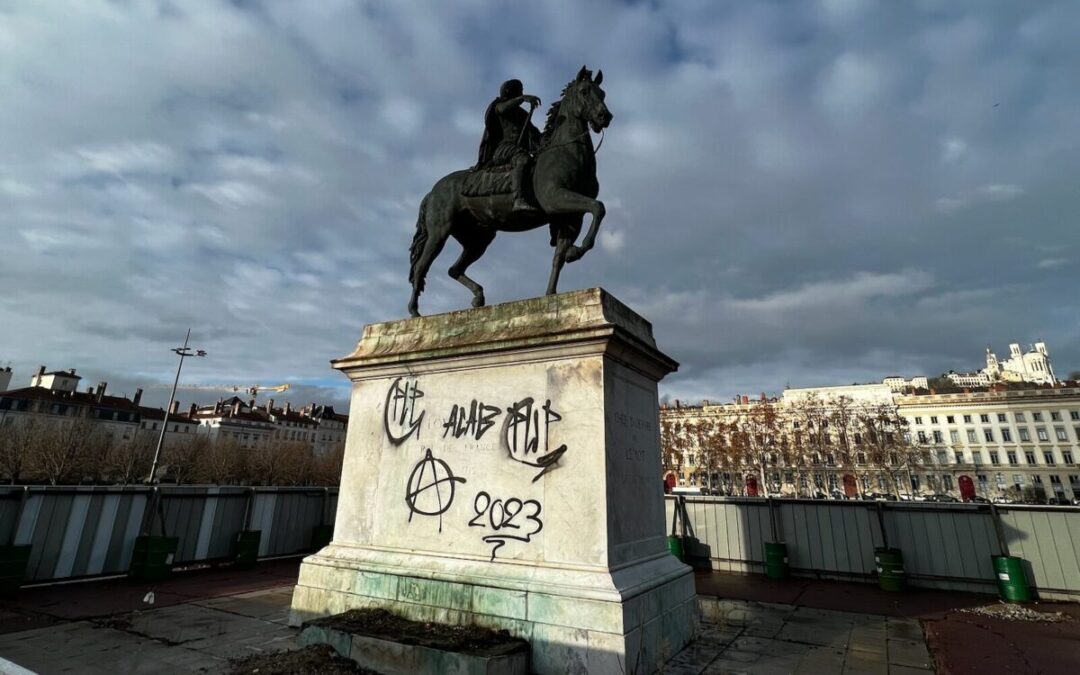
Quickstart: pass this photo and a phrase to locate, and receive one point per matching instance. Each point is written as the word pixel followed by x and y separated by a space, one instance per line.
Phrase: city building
pixel 1032 366
pixel 5 378
pixel 996 442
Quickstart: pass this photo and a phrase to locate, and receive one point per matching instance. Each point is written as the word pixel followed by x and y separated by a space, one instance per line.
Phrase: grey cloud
pixel 798 192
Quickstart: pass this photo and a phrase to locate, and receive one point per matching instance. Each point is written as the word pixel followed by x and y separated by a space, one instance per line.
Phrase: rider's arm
pixel 514 103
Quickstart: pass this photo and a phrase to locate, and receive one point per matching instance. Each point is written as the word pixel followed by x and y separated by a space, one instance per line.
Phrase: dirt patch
pixel 1011 612
pixel 379 623
pixel 313 660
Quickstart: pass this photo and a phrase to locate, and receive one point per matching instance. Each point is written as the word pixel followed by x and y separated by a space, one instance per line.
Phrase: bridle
pixel 572 141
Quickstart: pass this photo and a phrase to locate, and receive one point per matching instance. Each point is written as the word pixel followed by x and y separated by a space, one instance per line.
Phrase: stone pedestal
pixel 502 468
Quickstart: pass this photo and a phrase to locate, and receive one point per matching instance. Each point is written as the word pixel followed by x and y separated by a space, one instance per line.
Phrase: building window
pixel 976 458
pixel 1048 457
pixel 967 419
pixel 972 438
pixel 959 457
pixel 918 419
pixel 946 481
pixel 1019 417
pixel 1037 479
pixel 954 436
pixel 995 458
pixel 1006 435
pixel 933 419
pixel 922 436
pixel 1074 479
pixel 1055 416
pixel 942 457
pixel 1011 456
pixel 984 418
pixel 938 437
pixel 1041 432
pixel 1060 433
pixel 1030 457
pixel 1074 414
pixel 1067 456
pixel 1037 416
pixel 988 434
pixel 950 419
pixel 1025 436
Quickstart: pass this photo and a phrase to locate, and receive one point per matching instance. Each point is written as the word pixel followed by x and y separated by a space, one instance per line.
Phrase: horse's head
pixel 584 99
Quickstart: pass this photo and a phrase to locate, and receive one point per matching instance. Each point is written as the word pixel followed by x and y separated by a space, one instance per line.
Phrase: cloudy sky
pixel 803 193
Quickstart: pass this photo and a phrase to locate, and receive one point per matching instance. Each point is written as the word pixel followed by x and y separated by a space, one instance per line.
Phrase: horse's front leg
pixel 563 201
pixel 568 231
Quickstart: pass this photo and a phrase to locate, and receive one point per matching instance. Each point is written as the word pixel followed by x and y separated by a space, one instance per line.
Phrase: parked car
pixel 941 498
pixel 1059 501
pixel 977 500
pixel 880 496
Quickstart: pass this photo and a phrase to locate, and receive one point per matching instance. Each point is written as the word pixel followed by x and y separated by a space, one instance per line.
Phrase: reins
pixel 572 141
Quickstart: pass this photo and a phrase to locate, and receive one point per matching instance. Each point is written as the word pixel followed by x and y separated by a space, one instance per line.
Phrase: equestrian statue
pixel 523 179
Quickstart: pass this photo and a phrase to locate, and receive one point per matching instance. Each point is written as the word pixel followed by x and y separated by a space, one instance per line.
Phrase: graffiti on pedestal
pixel 525 435
pixel 510 519
pixel 473 421
pixel 432 485
pixel 400 418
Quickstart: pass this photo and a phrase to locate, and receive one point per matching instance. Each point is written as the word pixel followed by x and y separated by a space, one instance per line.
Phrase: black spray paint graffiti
pixel 474 422
pixel 523 432
pixel 434 497
pixel 399 413
pixel 502 517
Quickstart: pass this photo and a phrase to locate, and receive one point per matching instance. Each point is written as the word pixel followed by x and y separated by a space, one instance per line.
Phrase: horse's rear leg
pixel 474 241
pixel 438 232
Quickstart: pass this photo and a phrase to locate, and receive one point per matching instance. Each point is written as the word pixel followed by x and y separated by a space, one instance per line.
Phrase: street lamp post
pixel 182 352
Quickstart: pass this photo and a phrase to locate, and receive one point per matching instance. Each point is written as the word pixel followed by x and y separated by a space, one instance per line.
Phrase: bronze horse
pixel 563 183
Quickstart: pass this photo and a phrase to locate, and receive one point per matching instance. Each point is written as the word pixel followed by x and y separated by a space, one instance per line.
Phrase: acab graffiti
pixel 432 485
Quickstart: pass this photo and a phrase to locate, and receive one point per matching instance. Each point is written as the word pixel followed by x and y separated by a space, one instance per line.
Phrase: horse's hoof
pixel 414 312
pixel 478 300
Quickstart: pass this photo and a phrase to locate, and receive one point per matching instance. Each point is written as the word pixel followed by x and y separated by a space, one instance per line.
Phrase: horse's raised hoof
pixel 574 253
pixel 478 300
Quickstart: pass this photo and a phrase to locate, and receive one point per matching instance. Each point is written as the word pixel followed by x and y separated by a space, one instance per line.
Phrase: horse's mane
pixel 553 118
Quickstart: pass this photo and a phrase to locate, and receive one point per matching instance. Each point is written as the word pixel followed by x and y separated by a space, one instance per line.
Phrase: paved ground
pixel 750 625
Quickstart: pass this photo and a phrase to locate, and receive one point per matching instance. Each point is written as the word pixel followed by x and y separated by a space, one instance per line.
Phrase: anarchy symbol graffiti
pixel 430 488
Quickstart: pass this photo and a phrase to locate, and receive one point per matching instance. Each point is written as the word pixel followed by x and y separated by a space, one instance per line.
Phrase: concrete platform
pixel 202 619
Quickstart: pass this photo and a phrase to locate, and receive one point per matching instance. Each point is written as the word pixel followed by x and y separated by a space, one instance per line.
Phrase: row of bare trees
pixel 802 441
pixel 79 451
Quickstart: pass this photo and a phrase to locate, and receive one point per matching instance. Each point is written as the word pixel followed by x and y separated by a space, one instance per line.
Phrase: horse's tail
pixel 419 239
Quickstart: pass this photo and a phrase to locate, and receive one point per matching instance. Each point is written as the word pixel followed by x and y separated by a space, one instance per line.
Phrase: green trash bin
pixel 776 561
pixel 13 561
pixel 321 536
pixel 1011 578
pixel 675 547
pixel 890 569
pixel 246 547
pixel 152 558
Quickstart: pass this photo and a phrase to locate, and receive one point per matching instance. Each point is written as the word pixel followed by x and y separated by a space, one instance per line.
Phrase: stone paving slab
pixel 197 637
pixel 767 639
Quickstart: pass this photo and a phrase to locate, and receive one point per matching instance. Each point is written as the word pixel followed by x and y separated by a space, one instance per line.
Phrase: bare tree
pixel 16 449
pixel 326 467
pixel 181 457
pixel 58 449
pixel 888 444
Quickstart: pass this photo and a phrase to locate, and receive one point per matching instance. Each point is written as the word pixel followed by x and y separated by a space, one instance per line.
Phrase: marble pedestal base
pixel 502 468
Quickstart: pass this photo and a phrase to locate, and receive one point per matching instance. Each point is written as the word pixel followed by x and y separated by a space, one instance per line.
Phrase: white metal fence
pixel 90 530
pixel 946 546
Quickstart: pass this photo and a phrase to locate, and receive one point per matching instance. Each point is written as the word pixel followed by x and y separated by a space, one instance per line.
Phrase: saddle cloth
pixel 493 180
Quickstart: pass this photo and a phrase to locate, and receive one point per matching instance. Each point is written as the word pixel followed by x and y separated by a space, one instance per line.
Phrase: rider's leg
pixel 517 181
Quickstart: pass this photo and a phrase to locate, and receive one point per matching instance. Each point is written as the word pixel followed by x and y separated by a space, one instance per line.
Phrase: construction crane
pixel 253 389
